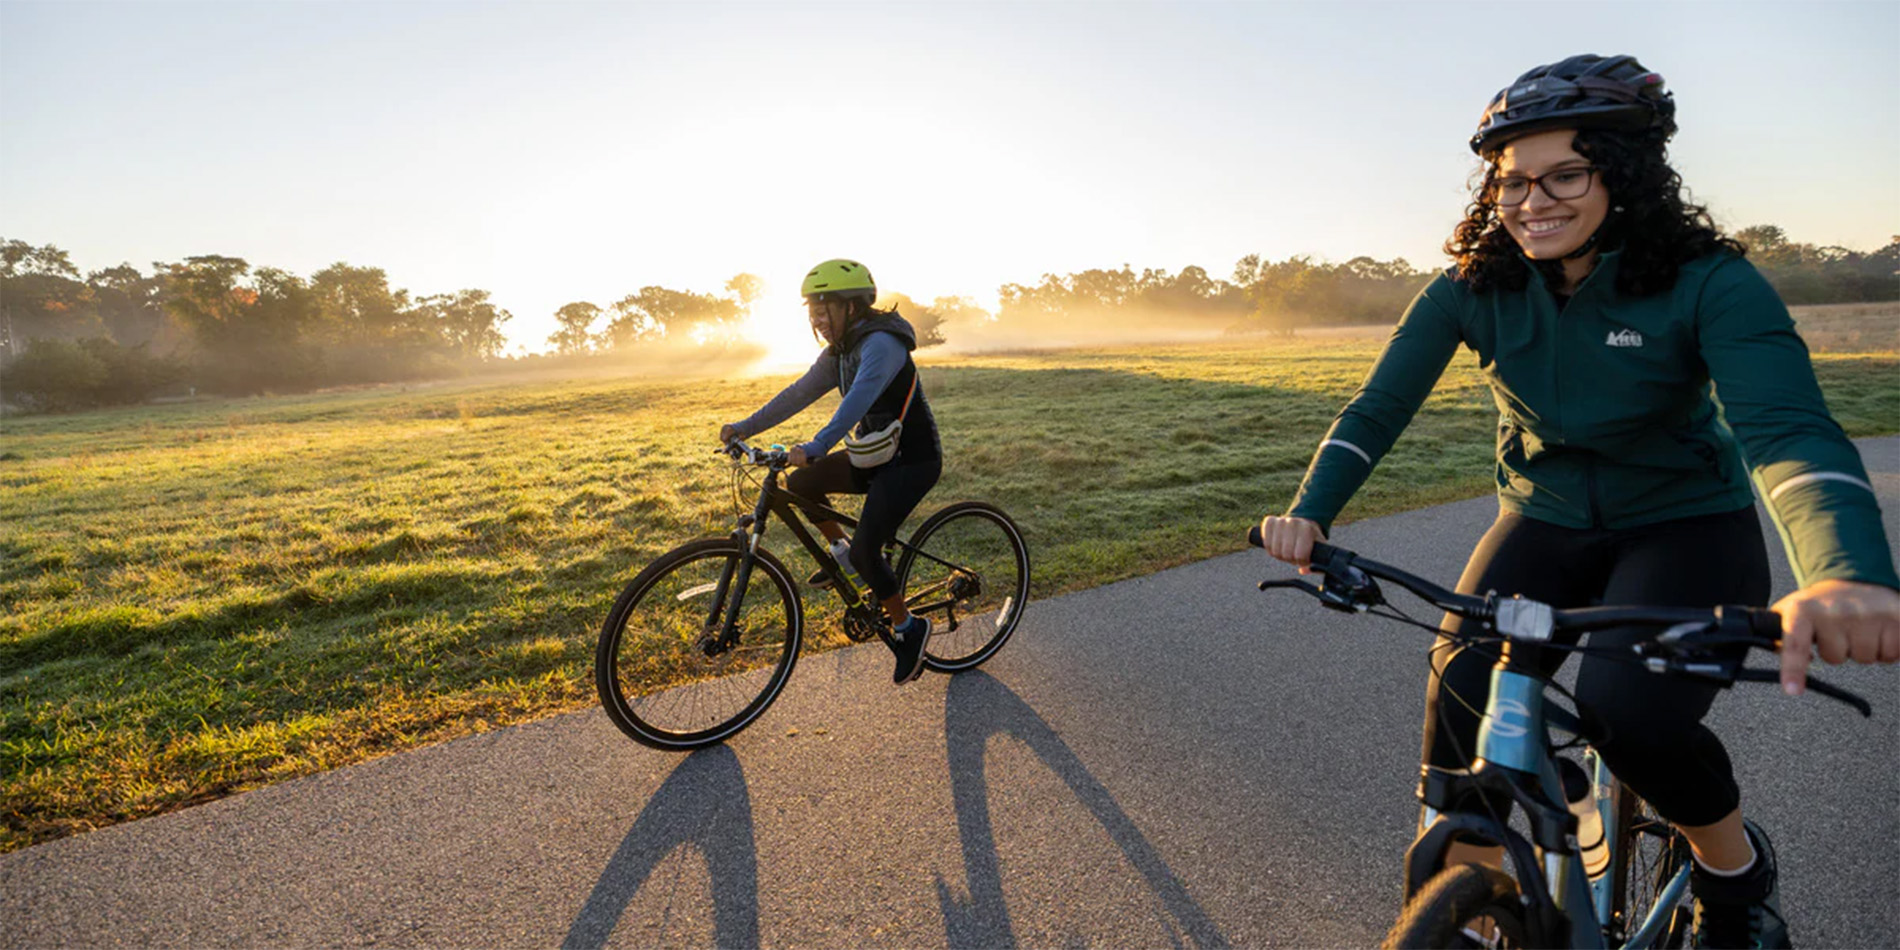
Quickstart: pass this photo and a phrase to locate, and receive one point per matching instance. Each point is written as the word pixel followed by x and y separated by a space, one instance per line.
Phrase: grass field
pixel 201 598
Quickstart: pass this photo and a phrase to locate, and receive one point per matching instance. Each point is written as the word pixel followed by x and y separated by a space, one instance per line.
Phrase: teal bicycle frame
pixel 1514 756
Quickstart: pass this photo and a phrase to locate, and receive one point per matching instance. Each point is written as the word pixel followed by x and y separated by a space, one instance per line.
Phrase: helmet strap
pixel 1591 244
pixel 1586 247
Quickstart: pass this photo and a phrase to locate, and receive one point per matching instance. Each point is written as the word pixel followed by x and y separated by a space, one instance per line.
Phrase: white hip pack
pixel 875 448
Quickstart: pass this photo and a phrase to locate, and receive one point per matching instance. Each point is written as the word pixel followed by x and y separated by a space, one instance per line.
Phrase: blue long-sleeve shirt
pixel 881 358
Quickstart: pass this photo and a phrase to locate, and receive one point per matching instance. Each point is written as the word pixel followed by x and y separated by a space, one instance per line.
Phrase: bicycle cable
pixel 1459 641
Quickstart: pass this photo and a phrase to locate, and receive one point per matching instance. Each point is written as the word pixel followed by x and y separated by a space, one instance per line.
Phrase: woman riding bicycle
pixel 1609 315
pixel 867 359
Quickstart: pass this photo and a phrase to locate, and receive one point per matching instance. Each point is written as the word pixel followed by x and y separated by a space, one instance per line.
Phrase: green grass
pixel 201 598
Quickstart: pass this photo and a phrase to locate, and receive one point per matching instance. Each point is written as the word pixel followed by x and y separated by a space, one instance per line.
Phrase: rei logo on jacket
pixel 1623 337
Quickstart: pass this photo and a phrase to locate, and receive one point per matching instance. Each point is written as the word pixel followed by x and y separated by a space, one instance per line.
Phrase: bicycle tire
pixel 985 593
pixel 1649 852
pixel 652 667
pixel 1455 902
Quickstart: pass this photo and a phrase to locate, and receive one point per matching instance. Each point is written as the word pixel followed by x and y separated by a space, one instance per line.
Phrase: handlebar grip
pixel 1327 557
pixel 1323 554
pixel 1764 623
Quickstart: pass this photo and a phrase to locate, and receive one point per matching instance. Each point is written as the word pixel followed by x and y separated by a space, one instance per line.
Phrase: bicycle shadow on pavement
pixel 703 804
pixel 977 706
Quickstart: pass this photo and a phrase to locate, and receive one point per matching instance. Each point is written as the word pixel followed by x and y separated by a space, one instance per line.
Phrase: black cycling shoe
pixel 1740 911
pixel 907 641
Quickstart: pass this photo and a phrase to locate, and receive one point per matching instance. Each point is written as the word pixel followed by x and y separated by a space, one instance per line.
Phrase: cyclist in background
pixel 867 360
pixel 1608 314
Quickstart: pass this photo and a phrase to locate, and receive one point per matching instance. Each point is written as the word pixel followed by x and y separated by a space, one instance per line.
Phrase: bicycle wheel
pixel 967 571
pixel 1469 905
pixel 666 675
pixel 1649 853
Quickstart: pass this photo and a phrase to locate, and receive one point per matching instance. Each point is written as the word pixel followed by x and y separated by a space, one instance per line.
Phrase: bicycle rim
pixel 669 675
pixel 967 572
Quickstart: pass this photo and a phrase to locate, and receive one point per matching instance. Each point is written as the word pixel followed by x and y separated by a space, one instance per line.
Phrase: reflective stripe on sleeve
pixel 1799 480
pixel 1355 449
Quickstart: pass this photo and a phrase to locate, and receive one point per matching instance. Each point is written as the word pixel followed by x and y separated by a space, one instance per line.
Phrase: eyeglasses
pixel 1563 184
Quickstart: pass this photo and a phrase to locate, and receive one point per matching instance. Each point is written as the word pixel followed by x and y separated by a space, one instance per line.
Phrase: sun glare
pixel 785 334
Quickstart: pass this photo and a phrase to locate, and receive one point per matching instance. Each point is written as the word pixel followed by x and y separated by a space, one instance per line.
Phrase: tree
pixel 355 307
pixel 657 312
pixel 747 289
pixel 960 312
pixel 18 258
pixel 204 295
pixel 131 307
pixel 575 320
pixel 468 322
pixel 40 296
pixel 54 374
pixel 250 339
pixel 65 374
pixel 927 321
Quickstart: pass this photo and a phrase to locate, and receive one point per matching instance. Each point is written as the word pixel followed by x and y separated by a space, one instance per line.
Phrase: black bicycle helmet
pixel 1585 92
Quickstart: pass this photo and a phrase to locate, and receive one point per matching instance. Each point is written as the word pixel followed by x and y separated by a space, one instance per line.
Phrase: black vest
pixel 919 441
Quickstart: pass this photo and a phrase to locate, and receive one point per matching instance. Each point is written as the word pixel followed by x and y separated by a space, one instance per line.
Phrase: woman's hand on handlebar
pixel 727 433
pixel 1290 539
pixel 1841 620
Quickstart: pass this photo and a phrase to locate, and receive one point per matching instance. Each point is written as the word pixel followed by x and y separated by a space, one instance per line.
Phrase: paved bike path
pixel 1174 760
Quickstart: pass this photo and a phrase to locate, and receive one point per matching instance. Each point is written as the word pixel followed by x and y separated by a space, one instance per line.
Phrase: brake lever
pixel 1328 598
pixel 1827 689
pixel 1294 583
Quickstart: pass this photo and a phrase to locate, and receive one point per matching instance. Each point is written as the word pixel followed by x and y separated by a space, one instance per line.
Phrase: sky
pixel 561 151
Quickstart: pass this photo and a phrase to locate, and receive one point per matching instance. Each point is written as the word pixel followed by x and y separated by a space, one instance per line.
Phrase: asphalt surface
pixel 1176 760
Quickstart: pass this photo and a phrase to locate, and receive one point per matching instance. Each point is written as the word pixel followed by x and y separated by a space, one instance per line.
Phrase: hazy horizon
pixel 552 153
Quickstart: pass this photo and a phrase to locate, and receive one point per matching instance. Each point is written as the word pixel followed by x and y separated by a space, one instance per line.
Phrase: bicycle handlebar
pixel 1683 649
pixel 775 457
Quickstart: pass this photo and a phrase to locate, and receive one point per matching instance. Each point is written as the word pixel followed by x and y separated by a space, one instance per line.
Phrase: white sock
pixel 1746 867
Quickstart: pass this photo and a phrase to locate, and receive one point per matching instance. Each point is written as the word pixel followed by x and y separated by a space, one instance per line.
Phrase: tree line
pixel 1263 294
pixel 218 324
pixel 1807 274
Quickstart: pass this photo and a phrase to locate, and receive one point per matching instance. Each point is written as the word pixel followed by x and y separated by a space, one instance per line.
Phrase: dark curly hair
pixel 1657 229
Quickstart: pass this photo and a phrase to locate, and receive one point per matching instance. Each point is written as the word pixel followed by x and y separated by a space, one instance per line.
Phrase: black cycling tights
pixel 890 493
pixel 1655 741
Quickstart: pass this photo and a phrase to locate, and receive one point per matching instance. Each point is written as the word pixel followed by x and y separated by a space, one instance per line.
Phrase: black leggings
pixel 1652 733
pixel 891 491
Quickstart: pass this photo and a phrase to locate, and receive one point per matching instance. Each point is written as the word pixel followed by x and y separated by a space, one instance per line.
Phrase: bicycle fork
pixel 746 537
pixel 1513 763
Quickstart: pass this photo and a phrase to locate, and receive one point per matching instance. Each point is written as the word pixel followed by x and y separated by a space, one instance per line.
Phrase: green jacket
pixel 1623 411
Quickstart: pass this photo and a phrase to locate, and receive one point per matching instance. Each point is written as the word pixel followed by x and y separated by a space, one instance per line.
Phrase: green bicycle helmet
pixel 839 279
pixel 1583 92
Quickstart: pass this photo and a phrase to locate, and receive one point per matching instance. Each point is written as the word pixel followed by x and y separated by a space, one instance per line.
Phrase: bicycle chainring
pixel 859 627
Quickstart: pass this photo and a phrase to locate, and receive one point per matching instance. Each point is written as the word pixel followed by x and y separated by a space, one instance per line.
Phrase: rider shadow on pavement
pixel 703 804
pixel 977 706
